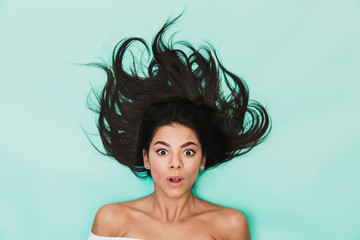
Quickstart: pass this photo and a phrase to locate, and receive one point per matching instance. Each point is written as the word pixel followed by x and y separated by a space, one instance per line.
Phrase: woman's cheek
pixel 157 165
pixel 193 166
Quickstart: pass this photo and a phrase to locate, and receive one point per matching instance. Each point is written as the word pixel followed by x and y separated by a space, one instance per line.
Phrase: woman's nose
pixel 176 163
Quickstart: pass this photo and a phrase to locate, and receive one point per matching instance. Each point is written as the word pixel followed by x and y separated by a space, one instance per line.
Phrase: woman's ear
pixel 203 161
pixel 146 159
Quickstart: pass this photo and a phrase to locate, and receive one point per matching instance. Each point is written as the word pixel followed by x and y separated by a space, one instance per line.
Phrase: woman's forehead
pixel 175 133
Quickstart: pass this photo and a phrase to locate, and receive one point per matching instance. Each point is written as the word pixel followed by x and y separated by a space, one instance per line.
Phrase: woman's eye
pixel 189 152
pixel 162 152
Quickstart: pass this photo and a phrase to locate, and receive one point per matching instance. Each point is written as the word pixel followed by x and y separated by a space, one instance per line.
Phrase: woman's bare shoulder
pixel 105 221
pixel 111 217
pixel 232 222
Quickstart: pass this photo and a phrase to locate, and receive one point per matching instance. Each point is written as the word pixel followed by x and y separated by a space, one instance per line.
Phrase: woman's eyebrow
pixel 163 143
pixel 168 145
pixel 188 144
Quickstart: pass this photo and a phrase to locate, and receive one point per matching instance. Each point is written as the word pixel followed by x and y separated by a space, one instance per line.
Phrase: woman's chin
pixel 177 193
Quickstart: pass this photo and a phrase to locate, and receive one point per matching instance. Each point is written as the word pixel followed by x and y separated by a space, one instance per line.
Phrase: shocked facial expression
pixel 174 159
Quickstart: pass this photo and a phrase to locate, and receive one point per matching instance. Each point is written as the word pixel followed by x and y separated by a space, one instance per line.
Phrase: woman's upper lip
pixel 180 177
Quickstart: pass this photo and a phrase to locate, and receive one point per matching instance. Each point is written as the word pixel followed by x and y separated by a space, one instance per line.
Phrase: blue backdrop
pixel 300 59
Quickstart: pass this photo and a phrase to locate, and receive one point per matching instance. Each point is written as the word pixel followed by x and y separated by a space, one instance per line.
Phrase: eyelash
pixel 192 152
pixel 158 151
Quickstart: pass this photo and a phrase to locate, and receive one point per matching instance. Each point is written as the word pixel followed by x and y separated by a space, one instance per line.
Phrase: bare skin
pixel 171 211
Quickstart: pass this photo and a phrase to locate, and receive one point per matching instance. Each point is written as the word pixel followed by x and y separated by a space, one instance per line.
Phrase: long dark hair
pixel 192 89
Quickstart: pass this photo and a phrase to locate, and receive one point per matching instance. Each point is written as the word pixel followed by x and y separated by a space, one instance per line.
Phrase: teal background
pixel 300 59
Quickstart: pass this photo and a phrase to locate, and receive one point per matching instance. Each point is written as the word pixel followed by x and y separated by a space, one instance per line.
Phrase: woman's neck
pixel 170 209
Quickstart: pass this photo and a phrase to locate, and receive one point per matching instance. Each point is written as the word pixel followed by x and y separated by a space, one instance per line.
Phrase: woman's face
pixel 174 159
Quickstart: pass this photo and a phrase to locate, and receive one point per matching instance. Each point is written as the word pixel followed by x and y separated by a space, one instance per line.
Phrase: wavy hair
pixel 180 84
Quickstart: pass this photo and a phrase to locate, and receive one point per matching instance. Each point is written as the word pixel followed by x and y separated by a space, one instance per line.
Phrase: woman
pixel 169 123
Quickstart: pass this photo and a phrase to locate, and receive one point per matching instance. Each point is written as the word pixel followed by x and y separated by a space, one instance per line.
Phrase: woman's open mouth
pixel 175 181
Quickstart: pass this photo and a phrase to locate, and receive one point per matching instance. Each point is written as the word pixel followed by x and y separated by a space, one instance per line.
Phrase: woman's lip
pixel 180 177
pixel 175 184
